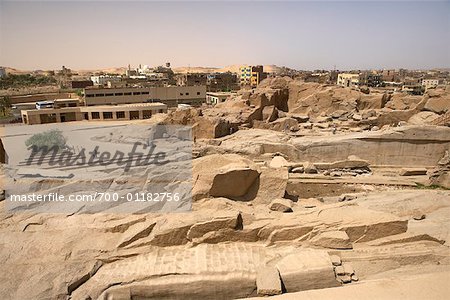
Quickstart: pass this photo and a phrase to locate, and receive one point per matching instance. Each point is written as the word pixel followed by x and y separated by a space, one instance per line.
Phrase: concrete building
pixel 370 79
pixel 39 97
pixel 389 75
pixel 190 79
pixel 430 83
pixel 104 79
pixel 213 98
pixel 93 113
pixel 170 95
pixel 221 82
pixel 251 75
pixel 348 80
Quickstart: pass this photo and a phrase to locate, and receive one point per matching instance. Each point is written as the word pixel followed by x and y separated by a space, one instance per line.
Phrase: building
pixel 213 98
pixel 389 75
pixel 38 97
pixel 93 113
pixel 348 80
pixel 370 79
pixel 430 83
pixel 104 79
pixel 251 75
pixel 169 95
pixel 222 82
pixel 80 84
pixel 190 79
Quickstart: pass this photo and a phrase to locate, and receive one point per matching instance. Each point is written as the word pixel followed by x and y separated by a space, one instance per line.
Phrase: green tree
pixel 5 104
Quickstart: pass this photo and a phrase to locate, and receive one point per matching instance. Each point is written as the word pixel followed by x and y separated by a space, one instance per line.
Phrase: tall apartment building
pixel 251 75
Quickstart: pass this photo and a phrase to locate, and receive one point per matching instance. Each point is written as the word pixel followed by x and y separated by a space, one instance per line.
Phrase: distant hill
pixel 232 68
pixel 121 70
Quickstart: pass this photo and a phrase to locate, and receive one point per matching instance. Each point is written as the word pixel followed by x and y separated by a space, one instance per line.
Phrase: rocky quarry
pixel 300 190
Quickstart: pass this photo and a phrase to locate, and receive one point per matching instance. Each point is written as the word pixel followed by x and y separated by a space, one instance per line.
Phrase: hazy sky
pixel 301 34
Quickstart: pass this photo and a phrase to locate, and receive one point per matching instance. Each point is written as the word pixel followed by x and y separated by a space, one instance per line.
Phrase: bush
pixel 50 138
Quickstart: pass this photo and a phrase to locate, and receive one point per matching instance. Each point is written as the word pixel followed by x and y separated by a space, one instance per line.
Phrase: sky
pixel 303 35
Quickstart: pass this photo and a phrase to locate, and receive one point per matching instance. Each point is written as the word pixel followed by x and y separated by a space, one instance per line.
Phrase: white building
pixel 104 79
pixel 348 80
pixel 430 83
pixel 214 98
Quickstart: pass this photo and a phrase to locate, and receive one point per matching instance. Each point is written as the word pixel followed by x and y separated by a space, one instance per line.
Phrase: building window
pixel 127 94
pixel 145 93
pixel 107 115
pixel 86 116
pixel 95 115
pixel 187 94
pixel 181 94
pixel 120 115
pixel 108 95
pixel 118 94
pixel 99 95
pixel 198 93
pixel 146 114
pixel 136 93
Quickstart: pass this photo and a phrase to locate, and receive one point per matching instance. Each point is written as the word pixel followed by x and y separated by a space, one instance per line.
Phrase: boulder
pixel 268 282
pixel 357 117
pixel 269 114
pixel 298 170
pixel 299 117
pixel 310 168
pixel 233 182
pixel 344 278
pixel 338 113
pixel 136 232
pixel 199 229
pixel 413 171
pixel 322 125
pixel 278 162
pixel 280 204
pixel 348 269
pixel 339 270
pixel 423 118
pixel 230 175
pixel 333 240
pixel 438 104
pixel 306 270
pixel 272 184
pixel 335 260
